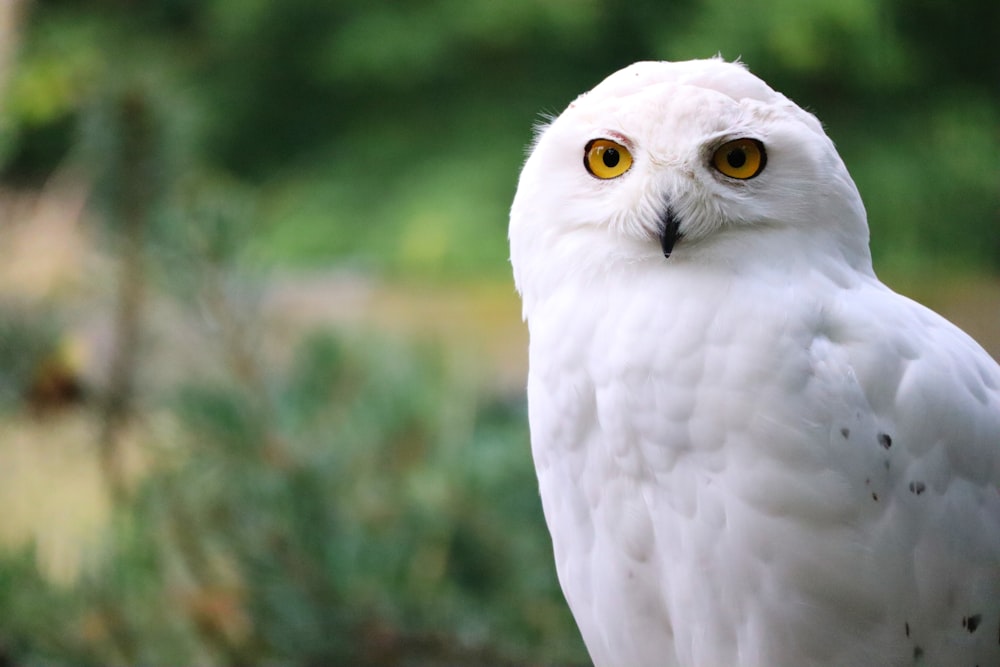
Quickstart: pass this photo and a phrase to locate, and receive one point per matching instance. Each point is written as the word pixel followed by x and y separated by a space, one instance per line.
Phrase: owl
pixel 750 452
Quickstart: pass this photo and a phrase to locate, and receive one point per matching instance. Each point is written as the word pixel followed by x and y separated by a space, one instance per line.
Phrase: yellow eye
pixel 604 158
pixel 740 158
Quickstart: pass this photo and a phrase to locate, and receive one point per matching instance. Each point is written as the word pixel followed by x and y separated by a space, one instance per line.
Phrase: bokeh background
pixel 261 360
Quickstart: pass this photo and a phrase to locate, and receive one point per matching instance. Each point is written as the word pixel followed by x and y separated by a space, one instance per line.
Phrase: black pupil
pixel 610 157
pixel 736 158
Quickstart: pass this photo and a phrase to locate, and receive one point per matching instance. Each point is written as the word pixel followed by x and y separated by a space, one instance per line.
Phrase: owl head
pixel 672 163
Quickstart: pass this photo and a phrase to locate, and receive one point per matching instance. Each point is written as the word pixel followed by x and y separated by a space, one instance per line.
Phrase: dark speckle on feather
pixel 846 432
pixel 970 623
pixel 917 487
pixel 885 440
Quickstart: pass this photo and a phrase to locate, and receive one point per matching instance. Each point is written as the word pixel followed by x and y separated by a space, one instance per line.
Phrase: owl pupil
pixel 736 158
pixel 610 157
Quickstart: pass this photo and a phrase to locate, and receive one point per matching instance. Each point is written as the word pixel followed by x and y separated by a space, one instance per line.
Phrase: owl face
pixel 674 161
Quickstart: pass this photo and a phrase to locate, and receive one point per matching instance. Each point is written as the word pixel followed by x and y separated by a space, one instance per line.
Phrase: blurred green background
pixel 261 360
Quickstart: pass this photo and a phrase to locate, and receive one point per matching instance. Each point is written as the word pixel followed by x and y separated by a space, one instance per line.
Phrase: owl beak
pixel 669 232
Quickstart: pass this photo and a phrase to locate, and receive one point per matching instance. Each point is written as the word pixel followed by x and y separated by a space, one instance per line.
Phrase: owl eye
pixel 740 158
pixel 605 159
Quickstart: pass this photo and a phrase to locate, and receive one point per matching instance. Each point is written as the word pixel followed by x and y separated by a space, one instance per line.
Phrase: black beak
pixel 669 232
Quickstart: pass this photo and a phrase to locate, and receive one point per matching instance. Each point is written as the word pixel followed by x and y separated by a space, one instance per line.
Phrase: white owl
pixel 750 451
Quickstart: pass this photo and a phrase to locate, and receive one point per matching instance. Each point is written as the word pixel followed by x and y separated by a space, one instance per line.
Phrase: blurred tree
pixel 391 132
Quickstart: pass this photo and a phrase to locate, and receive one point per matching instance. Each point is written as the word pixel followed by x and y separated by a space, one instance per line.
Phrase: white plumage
pixel 751 451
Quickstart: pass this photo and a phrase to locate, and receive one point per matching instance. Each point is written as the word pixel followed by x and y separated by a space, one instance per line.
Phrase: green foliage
pixel 365 508
pixel 31 610
pixel 390 134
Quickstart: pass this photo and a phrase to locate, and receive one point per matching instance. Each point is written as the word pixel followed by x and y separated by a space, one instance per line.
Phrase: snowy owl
pixel 749 450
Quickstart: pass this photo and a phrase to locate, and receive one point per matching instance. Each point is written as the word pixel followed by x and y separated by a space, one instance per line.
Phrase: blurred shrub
pixel 365 508
pixel 39 623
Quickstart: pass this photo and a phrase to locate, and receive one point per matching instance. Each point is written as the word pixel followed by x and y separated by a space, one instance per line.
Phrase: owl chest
pixel 639 415
pixel 663 446
pixel 651 381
